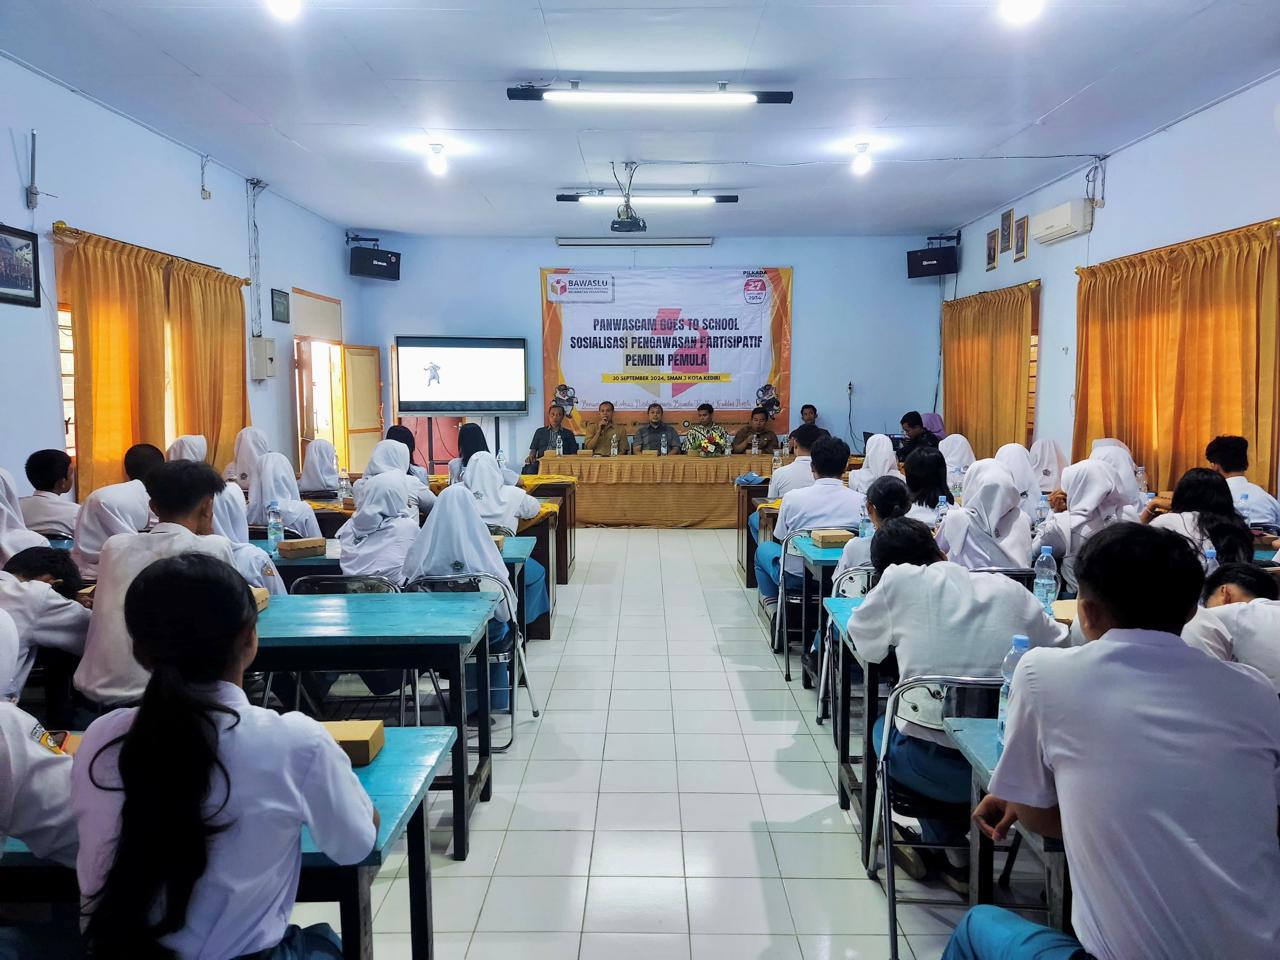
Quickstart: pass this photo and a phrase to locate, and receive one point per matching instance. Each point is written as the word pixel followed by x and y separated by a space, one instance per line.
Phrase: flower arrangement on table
pixel 712 442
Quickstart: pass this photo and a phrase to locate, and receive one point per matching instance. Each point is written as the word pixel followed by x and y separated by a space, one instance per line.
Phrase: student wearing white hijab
pixel 319 468
pixel 455 541
pixel 377 538
pixel 1017 461
pixel 273 480
pixel 1116 455
pixel 1048 461
pixel 502 508
pixel 192 446
pixel 118 508
pixel 878 460
pixel 14 535
pixel 957 450
pixel 990 530
pixel 1094 500
pixel 251 443
pixel 231 521
pixel 392 456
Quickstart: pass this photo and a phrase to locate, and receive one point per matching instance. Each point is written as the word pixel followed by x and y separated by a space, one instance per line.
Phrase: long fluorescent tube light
pixel 634 241
pixel 650 98
pixel 649 200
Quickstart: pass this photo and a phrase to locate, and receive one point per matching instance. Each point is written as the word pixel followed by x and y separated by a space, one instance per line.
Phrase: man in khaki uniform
pixel 602 433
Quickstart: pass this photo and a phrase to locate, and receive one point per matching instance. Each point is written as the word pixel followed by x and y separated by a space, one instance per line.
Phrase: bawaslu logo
pixel 580 288
pixel 755 290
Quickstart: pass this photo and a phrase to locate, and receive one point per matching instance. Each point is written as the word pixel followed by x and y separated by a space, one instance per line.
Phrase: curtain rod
pixel 61 231
pixel 1031 284
pixel 1273 222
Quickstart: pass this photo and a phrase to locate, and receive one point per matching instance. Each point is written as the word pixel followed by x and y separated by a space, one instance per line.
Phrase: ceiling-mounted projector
pixel 627 221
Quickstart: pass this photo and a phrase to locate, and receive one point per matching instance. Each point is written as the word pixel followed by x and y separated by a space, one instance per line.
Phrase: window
pixel 67 360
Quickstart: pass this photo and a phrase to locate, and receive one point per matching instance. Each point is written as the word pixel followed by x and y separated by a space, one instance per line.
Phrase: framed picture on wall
pixel 993 249
pixel 1020 228
pixel 19 267
pixel 280 306
pixel 1006 231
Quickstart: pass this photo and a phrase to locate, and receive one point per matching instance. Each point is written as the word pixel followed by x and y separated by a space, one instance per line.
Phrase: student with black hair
pixel 1240 619
pixel 926 474
pixel 799 472
pixel 1202 512
pixel 917 436
pixel 938 617
pixel 38 589
pixel 141 459
pixel 1229 456
pixel 402 433
pixel 47 511
pixel 190 806
pixel 887 498
pixel 1157 765
pixel 471 440
pixel 182 495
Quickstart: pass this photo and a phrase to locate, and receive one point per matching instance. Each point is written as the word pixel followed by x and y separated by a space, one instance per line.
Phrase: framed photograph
pixel 1006 231
pixel 280 306
pixel 993 249
pixel 1020 229
pixel 19 267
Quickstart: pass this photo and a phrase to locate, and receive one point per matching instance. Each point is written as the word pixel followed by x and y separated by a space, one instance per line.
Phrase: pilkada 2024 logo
pixel 755 290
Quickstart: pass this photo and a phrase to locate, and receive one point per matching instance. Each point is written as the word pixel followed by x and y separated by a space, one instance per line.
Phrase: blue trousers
pixel 536 599
pixel 935 771
pixel 990 933
pixel 500 641
pixel 768 568
pixel 753 526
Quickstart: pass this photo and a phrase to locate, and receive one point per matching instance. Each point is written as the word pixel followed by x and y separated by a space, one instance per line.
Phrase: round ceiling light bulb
pixel 861 159
pixel 285 9
pixel 1021 11
pixel 437 163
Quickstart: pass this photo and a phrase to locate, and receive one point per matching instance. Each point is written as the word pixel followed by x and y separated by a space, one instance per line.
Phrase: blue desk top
pixel 372 618
pixel 320 561
pixel 514 550
pixel 979 741
pixel 812 553
pixel 839 608
pixel 397 782
pixel 61 543
pixel 1259 555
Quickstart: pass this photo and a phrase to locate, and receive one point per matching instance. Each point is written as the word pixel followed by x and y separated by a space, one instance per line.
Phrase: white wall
pixel 115 177
pixel 1217 170
pixel 855 315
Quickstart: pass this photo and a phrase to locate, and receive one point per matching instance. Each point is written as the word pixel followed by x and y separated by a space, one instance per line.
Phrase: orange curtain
pixel 986 365
pixel 1180 344
pixel 116 293
pixel 207 344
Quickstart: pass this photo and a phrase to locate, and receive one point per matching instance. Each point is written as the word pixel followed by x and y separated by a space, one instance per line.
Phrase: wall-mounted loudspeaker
pixel 931 262
pixel 375 263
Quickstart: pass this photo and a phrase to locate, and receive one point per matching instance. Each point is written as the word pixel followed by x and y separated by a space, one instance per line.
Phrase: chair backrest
pixel 258 531
pixel 1023 575
pixel 462 583
pixel 335 583
pixel 854 582
pixel 950 686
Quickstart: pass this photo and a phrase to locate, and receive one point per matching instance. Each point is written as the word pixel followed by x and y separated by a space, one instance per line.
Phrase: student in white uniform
pixel 1229 456
pixel 1240 619
pixel 1093 501
pixel 1202 512
pixel 888 498
pixel 939 618
pixel 35 785
pixel 118 508
pixel 502 508
pixel 1048 461
pixel 38 589
pixel 392 456
pixel 825 503
pixel 48 511
pixel 471 440
pixel 251 443
pixel 230 521
pixel 794 475
pixel 191 446
pixel 957 450
pixel 273 480
pixel 1116 455
pixel 990 529
pixel 182 494
pixel 1158 765
pixel 1017 461
pixel 319 471
pixel 150 784
pixel 878 460
pixel 375 541
pixel 926 475
pixel 14 535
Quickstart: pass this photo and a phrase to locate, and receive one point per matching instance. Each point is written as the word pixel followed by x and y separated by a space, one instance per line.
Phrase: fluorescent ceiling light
pixel 862 159
pixel 649 200
pixel 285 9
pixel 634 241
pixel 650 98
pixel 1021 11
pixel 437 162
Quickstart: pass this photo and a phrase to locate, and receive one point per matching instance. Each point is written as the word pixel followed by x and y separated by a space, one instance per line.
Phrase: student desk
pixel 1259 556
pixel 395 631
pixel 747 495
pixel 397 782
pixel 855 775
pixel 550 524
pixel 979 741
pixel 820 567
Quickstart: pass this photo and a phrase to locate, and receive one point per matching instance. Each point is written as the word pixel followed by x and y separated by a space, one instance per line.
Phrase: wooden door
pixel 362 374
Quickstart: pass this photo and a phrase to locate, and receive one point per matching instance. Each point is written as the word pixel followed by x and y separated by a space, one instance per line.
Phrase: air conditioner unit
pixel 1069 220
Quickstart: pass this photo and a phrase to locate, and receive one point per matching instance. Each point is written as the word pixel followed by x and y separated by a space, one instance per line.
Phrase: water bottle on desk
pixel 662 445
pixel 1020 646
pixel 866 528
pixel 613 445
pixel 275 527
pixel 755 444
pixel 777 460
pixel 344 485
pixel 559 444
pixel 940 513
pixel 502 459
pixel 1141 475
pixel 1043 511
pixel 1210 560
pixel 1046 581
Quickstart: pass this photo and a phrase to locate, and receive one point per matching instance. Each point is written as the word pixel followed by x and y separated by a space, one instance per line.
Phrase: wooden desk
pixel 855 775
pixel 397 782
pixel 396 631
pixel 819 567
pixel 566 490
pixel 747 494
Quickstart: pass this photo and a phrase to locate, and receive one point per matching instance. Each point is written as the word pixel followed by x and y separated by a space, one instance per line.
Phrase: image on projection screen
pixel 461 375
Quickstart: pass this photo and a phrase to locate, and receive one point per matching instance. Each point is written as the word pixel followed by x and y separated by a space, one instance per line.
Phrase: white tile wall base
pixel 674 802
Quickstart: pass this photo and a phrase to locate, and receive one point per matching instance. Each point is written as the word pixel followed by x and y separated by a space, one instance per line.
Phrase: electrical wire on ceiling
pixel 253 188
pixel 1097 158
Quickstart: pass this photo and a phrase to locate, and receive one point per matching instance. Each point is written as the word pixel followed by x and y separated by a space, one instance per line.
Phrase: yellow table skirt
pixel 543 511
pixel 438 481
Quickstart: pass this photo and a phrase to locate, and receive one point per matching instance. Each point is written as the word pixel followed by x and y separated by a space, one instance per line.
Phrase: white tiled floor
pixel 676 800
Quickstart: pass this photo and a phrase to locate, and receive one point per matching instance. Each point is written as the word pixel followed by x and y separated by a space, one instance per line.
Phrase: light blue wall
pixel 114 177
pixel 855 315
pixel 1217 170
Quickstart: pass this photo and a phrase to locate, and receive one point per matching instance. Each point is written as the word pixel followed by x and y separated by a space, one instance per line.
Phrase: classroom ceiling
pixel 336 109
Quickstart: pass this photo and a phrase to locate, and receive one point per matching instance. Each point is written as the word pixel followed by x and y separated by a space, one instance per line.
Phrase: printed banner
pixel 678 337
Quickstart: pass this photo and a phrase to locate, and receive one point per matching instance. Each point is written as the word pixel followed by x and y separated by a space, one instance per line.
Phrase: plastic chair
pixel 517 668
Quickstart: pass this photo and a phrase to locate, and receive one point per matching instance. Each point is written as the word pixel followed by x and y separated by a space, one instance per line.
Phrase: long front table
pixel 647 491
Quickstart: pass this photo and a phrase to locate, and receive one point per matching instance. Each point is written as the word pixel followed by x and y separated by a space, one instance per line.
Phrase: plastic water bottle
pixel 1142 479
pixel 940 513
pixel 1046 582
pixel 777 459
pixel 502 458
pixel 866 528
pixel 613 445
pixel 1020 646
pixel 957 484
pixel 662 445
pixel 1242 506
pixel 1043 511
pixel 559 444
pixel 344 485
pixel 275 527
pixel 1210 560
pixel 755 444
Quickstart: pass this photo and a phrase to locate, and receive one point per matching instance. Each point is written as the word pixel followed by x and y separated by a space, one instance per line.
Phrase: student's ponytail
pixel 189 617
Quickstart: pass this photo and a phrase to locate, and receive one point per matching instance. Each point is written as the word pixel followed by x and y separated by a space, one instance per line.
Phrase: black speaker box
pixel 931 262
pixel 378 264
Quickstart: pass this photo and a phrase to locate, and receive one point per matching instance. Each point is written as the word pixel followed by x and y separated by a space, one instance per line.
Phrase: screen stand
pixel 497 435
pixel 431 445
